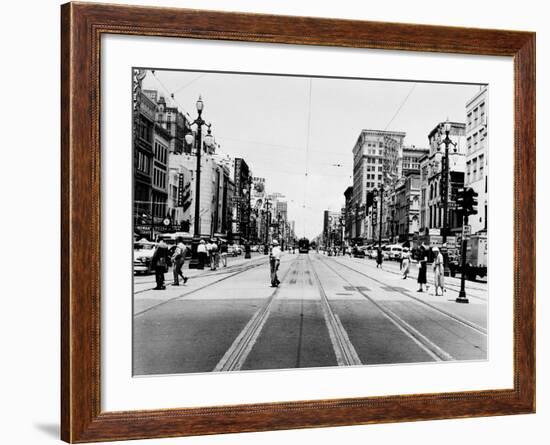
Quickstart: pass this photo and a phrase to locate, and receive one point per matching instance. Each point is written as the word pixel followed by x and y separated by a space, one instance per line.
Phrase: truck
pixel 476 257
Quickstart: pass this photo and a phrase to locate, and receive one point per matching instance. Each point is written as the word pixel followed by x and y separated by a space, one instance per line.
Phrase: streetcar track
pixel 346 355
pixel 447 283
pixel 185 294
pixel 236 355
pixel 433 350
pixel 456 318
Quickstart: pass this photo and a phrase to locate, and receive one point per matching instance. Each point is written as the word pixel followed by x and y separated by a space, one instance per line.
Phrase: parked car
pixel 234 250
pixel 358 252
pixel 394 252
pixel 143 253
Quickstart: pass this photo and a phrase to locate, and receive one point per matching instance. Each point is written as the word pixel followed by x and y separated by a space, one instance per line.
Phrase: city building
pixel 476 156
pixel 376 161
pixel 431 177
pixel 407 209
pixel 348 214
pixel 173 121
pixel 144 121
pixel 179 194
pixel 159 184
pixel 242 198
pixel 333 225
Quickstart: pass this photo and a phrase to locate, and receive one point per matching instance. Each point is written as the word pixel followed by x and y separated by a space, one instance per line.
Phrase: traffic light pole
pixel 462 294
pixel 380 216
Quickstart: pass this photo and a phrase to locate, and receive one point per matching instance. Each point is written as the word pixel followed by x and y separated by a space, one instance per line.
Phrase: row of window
pixel 375 144
pixel 475 169
pixel 476 116
pixel 161 152
pixel 159 178
pixel 145 129
pixel 373 176
pixel 144 163
pixel 475 141
pixel 372 168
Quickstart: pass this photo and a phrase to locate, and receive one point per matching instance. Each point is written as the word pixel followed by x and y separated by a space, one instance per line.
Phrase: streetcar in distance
pixel 303 245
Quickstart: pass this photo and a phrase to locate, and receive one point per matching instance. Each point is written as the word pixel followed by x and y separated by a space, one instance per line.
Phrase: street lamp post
pixel 208 139
pixel 445 191
pixel 247 254
pixel 266 246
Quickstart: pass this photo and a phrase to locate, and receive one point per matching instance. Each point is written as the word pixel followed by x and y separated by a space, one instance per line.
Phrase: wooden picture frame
pixel 82 26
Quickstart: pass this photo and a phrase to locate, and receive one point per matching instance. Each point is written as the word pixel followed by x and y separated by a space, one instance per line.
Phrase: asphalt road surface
pixel 328 311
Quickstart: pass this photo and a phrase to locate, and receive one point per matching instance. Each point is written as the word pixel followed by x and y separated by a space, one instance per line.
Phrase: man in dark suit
pixel 160 263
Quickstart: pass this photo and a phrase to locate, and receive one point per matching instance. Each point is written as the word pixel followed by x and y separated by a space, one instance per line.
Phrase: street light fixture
pixel 208 141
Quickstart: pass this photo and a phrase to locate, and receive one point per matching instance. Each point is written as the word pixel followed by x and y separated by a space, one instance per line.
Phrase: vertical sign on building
pixel 180 190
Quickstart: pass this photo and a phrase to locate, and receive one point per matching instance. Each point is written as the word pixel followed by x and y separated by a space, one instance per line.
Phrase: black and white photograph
pixel 284 221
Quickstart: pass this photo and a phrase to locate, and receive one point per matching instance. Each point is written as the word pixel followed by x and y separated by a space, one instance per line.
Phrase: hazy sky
pixel 294 130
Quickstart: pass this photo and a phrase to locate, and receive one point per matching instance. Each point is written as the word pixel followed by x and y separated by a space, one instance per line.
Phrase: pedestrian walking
pixel 274 262
pixel 160 262
pixel 214 258
pixel 422 270
pixel 223 252
pixel 202 254
pixel 439 271
pixel 209 252
pixel 178 259
pixel 379 258
pixel 405 264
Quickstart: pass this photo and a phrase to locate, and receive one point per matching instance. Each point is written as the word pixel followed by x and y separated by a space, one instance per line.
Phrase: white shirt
pixel 276 253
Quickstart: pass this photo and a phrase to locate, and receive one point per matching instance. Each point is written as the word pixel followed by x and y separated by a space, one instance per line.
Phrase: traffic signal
pixel 466 201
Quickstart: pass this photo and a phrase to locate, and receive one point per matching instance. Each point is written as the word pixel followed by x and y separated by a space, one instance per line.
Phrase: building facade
pixel 143 163
pixel 376 156
pixel 432 183
pixel 242 198
pixel 476 156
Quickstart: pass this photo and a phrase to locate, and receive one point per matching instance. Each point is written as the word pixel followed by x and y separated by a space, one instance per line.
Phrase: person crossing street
pixel 274 262
pixel 178 259
pixel 160 262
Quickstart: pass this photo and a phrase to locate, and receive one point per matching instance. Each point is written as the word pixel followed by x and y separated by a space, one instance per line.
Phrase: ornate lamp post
pixel 446 128
pixel 208 141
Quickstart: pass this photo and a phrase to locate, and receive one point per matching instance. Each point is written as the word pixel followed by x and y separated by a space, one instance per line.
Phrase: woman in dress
pixel 439 274
pixel 405 264
pixel 422 271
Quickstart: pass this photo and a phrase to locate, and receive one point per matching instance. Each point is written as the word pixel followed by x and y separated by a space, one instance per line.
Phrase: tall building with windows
pixel 476 156
pixel 159 189
pixel 376 157
pixel 143 163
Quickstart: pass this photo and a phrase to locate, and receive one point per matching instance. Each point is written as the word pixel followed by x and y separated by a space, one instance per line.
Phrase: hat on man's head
pixel 275 242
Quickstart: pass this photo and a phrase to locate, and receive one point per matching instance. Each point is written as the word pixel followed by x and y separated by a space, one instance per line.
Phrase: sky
pixel 299 132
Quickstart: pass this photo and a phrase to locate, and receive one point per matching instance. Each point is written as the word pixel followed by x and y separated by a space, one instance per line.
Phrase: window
pixel 481 159
pixel 474 170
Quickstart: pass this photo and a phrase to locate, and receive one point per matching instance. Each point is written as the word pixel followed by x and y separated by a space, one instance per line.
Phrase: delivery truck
pixel 476 258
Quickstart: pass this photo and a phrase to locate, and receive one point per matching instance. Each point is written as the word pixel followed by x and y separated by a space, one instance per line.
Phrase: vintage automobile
pixel 143 253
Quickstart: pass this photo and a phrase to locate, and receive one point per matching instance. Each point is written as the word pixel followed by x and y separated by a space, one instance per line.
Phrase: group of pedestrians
pixel 438 268
pixel 209 254
pixel 162 260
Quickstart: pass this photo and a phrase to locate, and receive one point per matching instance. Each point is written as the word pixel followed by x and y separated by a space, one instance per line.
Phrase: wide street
pixel 328 311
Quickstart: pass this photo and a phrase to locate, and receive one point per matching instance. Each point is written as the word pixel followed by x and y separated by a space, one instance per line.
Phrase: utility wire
pixel 307 149
pixel 401 106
